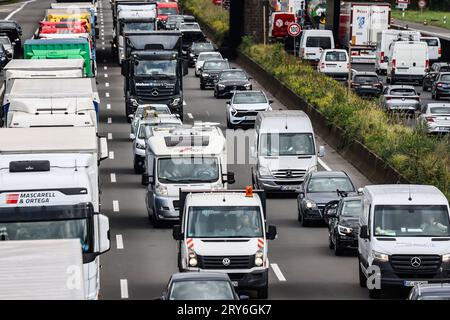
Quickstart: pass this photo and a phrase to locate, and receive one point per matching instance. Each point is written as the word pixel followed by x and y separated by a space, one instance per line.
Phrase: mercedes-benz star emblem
pixel 226 262
pixel 289 173
pixel 415 262
pixel 155 92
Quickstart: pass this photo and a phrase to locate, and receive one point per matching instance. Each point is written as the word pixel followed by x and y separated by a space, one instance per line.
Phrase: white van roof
pixel 24 120
pixel 400 193
pixel 284 120
pixel 47 140
pixel 222 199
pixel 314 32
pixel 44 64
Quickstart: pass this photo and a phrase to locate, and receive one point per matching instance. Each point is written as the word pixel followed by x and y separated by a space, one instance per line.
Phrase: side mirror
pixel 271 101
pixel 124 70
pixel 132 136
pixel 228 102
pixel 103 144
pixel 331 213
pixel 321 152
pixel 146 179
pixel 364 232
pixel 271 234
pixel 131 116
pixel 105 239
pixel 228 178
pixel 418 93
pixel 360 190
pixel 250 78
pixel 176 232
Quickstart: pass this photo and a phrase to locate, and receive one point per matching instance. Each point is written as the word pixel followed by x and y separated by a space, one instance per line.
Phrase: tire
pixel 437 97
pixel 202 86
pixel 137 168
pixel 388 80
pixel 362 277
pixel 392 81
pixel 215 94
pixel 229 124
pixel 424 88
pixel 330 242
pixel 305 223
pixel 375 293
pixel 263 293
pixel 299 216
pixel 155 222
pixel 180 267
pixel 337 250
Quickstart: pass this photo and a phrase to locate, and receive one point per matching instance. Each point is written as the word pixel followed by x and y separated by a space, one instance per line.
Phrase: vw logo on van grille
pixel 226 262
pixel 415 262
pixel 155 92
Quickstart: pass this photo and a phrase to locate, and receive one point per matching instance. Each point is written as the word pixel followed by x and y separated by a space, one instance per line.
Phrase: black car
pixel 4 56
pixel 343 219
pixel 209 73
pixel 431 75
pixel 441 86
pixel 318 189
pixel 200 286
pixel 435 291
pixel 189 37
pixel 231 80
pixel 366 84
pixel 196 49
pixel 13 30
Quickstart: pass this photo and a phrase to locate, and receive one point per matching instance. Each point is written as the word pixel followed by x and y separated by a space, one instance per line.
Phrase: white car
pixel 145 109
pixel 244 106
pixel 202 57
pixel 434 47
pixel 334 63
pixel 437 117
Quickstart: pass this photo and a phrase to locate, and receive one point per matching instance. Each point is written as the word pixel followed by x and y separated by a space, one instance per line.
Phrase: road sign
pixel 402 5
pixel 403 1
pixel 422 4
pixel 294 29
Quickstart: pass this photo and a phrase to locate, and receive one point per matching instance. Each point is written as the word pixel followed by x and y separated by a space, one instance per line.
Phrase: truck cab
pixel 284 150
pixel 50 190
pixel 404 232
pixel 226 231
pixel 188 157
pixel 153 69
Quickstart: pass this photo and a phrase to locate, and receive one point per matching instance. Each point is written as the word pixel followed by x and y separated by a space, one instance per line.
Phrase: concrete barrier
pixel 367 162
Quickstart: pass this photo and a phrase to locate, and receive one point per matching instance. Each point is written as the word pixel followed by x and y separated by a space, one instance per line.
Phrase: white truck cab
pixel 226 231
pixel 182 157
pixel 285 150
pixel 50 190
pixel 405 234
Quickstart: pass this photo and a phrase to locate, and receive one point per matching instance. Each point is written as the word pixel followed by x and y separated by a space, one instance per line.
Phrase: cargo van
pixel 408 61
pixel 384 40
pixel 284 150
pixel 434 48
pixel 314 42
pixel 404 237
pixel 278 24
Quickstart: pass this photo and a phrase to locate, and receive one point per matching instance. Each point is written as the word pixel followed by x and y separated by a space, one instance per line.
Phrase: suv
pixel 6 42
pixel 441 86
pixel 431 75
pixel 210 72
pixel 244 106
pixel 231 80
pixel 366 84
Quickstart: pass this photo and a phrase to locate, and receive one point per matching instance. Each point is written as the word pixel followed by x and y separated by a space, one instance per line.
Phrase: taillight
pixel 394 63
pixel 322 66
pixel 440 51
pixel 354 84
pixel 430 119
pixel 427 63
pixel 382 57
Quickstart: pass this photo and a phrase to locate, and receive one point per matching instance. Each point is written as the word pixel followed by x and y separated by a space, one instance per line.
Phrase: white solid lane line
pixel 323 164
pixel 110 136
pixel 119 241
pixel 124 288
pixel 113 178
pixel 277 272
pixel 190 116
pixel 116 206
pixel 108 106
pixel 18 9
pixel 111 155
pixel 105 68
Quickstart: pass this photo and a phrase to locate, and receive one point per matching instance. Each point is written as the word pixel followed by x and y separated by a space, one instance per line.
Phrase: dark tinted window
pixel 431 42
pixel 445 77
pixel 440 110
pixel 216 65
pixel 366 79
pixel 319 42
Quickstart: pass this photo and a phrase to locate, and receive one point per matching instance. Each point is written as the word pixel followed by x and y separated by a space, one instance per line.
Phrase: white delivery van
pixel 40 269
pixel 408 61
pixel 314 42
pixel 50 190
pixel 285 150
pixel 404 237
pixel 434 48
pixel 53 96
pixel 334 63
pixel 384 40
pixel 226 231
pixel 188 157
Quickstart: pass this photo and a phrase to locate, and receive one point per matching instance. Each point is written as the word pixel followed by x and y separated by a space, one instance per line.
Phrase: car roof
pixel 438 288
pixel 217 60
pixel 186 276
pixel 401 193
pixel 249 91
pixel 365 73
pixel 444 73
pixel 438 104
pixel 351 198
pixel 329 174
pixel 232 70
pixel 398 86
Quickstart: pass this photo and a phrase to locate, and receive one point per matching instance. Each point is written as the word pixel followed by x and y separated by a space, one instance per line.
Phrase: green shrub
pixel 417 156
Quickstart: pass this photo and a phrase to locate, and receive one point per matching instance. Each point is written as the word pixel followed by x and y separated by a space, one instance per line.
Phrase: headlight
pixel 247 85
pixel 221 85
pixel 382 257
pixel 446 257
pixel 192 55
pixel 176 101
pixel 161 190
pixel 205 74
pixel 192 256
pixel 310 204
pixel 140 145
pixel 312 169
pixel 343 231
pixel 264 172
pixel 134 102
pixel 259 258
pixel 233 110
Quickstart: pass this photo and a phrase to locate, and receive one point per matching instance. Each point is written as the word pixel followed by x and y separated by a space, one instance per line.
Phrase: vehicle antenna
pixel 409 198
pixel 76 165
pixel 286 126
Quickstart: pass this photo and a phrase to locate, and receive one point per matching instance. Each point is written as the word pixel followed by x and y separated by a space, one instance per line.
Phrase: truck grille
pixel 155 94
pixel 217 262
pixel 289 174
pixel 427 264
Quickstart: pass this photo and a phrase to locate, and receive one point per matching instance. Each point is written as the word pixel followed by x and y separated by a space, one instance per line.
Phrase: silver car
pixel 9 48
pixel 144 109
pixel 437 117
pixel 400 98
pixel 244 106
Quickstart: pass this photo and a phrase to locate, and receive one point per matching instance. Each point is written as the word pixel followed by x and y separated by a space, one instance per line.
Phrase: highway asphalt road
pixel 142 258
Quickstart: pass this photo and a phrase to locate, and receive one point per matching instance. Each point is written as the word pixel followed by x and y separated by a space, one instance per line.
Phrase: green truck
pixel 62 49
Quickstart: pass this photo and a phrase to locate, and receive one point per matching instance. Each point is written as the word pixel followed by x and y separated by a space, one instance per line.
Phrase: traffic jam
pixel 127 121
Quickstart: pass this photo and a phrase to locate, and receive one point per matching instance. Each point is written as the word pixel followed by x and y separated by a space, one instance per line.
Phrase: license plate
pixel 366 87
pixel 289 188
pixel 251 118
pixel 407 283
pixel 444 128
pixel 234 283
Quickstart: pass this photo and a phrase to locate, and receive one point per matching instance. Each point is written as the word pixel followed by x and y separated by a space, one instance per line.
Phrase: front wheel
pixel 362 277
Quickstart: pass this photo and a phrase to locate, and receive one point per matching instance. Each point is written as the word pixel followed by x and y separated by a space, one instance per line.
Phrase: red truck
pixel 165 9
pixel 278 24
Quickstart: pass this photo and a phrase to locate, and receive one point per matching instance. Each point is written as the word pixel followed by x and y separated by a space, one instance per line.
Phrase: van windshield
pixel 188 170
pixel 411 221
pixel 286 144
pixel 336 56
pixel 318 42
pixel 225 222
